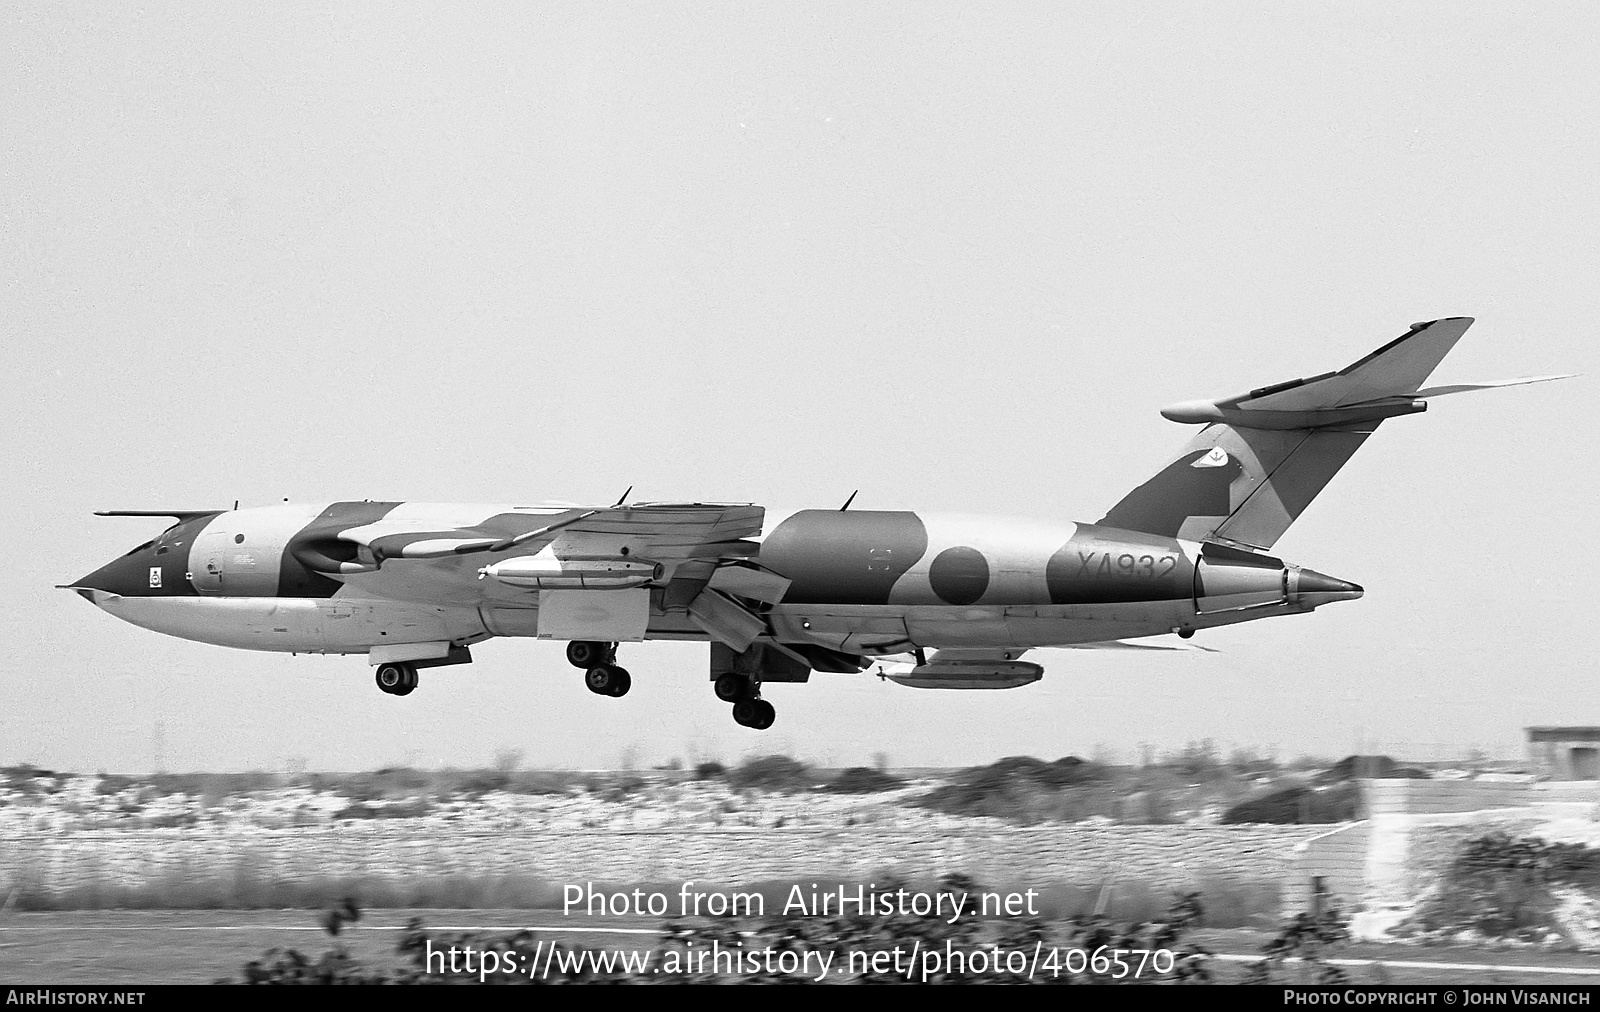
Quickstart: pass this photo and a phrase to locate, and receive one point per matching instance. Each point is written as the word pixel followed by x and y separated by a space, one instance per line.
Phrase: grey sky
pixel 954 256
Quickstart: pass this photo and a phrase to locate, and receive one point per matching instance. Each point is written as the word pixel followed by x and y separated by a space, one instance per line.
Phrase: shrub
pixel 771 773
pixel 1375 767
pixel 1025 789
pixel 1299 803
pixel 1500 887
pixel 1199 761
pixel 864 780
pixel 1306 937
pixel 408 809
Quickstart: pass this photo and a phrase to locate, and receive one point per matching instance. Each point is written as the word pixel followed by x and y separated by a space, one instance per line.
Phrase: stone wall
pixel 1161 857
pixel 1338 858
pixel 1387 860
pixel 1432 797
pixel 1567 792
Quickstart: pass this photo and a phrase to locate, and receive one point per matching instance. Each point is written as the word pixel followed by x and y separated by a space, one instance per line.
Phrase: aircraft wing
pixel 660 532
pixel 1126 645
pixel 663 531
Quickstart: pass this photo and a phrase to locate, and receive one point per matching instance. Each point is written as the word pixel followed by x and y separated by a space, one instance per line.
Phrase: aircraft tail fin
pixel 1263 456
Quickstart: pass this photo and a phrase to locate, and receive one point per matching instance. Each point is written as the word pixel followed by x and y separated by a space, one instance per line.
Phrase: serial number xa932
pixel 1100 565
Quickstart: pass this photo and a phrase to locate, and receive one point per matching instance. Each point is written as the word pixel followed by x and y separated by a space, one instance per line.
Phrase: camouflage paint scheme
pixel 267 578
pixel 826 589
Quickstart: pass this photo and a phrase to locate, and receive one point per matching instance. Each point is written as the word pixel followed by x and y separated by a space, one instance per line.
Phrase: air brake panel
pixel 1228 579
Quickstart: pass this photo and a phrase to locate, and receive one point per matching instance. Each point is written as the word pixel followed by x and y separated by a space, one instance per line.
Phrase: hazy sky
pixel 954 256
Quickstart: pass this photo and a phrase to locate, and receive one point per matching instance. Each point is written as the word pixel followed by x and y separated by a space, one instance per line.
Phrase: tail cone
pixel 1313 588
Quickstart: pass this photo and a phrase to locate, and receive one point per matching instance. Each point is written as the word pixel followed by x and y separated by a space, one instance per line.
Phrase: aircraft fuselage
pixel 336 578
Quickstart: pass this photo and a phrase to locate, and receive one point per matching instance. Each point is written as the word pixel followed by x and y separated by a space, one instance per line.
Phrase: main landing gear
pixel 749 709
pixel 397 679
pixel 601 673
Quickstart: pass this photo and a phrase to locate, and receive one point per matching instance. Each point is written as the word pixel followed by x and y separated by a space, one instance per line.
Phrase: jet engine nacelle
pixel 544 572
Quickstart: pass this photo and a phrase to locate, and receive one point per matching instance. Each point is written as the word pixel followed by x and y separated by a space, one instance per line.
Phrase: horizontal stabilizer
pixel 1263 456
pixel 1381 385
pixel 1461 388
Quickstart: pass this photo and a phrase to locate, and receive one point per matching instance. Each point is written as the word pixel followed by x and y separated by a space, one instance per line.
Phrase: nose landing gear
pixel 397 679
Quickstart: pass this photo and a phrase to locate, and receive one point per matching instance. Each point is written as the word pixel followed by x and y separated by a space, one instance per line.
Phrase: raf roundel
pixel 959 575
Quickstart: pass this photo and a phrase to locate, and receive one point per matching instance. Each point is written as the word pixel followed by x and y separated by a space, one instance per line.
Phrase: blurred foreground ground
pixel 103 877
pixel 199 947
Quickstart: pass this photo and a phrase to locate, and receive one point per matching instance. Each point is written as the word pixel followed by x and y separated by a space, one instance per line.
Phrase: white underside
pixel 298 625
pixel 346 626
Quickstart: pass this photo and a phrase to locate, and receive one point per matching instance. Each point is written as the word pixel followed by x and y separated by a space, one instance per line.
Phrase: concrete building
pixel 1565 753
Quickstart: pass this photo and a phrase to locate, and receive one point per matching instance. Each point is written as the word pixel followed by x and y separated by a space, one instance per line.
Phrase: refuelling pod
pixel 545 572
pixel 960 669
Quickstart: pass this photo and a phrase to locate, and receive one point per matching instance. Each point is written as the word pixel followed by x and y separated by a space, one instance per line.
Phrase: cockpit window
pixel 141 548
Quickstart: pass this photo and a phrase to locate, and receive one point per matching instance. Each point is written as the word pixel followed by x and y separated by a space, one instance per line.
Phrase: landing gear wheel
pixel 587 653
pixel 608 680
pixel 621 681
pixel 730 688
pixel 765 715
pixel 396 679
pixel 756 713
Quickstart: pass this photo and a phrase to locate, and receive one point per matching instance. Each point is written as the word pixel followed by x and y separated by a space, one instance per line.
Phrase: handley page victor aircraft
pixel 414 585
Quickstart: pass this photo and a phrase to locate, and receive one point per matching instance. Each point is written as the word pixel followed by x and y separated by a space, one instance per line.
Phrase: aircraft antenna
pixel 850 500
pixel 624 497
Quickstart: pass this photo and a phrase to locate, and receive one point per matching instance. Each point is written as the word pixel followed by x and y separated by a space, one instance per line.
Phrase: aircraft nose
pixel 1317 588
pixel 110 579
pixel 137 573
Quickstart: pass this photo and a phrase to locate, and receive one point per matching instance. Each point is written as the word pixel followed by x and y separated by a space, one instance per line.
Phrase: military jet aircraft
pixel 416 585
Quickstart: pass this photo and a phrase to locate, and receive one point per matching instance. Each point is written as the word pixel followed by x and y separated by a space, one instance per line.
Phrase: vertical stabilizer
pixel 1237 484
